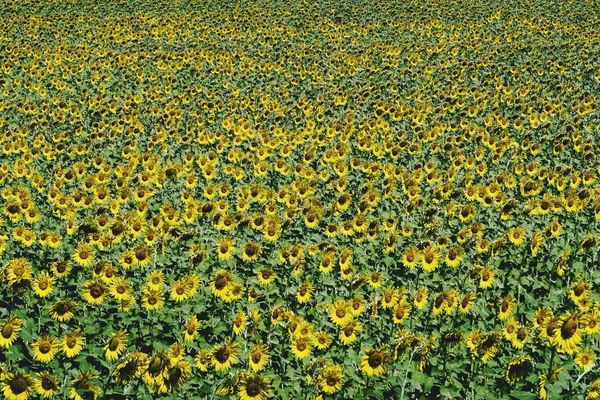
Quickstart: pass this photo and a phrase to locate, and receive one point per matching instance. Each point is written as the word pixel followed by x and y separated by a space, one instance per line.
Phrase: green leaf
pixel 522 395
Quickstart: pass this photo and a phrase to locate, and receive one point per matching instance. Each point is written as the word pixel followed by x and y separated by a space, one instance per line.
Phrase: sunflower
pixel 180 291
pixel 152 300
pixel 84 255
pixel 94 292
pixel 487 347
pixel 18 271
pixel 518 369
pixel 580 290
pixel 73 342
pixel 430 258
pixel 374 361
pixel 9 331
pixel 63 310
pixel 486 277
pixel 175 375
pixel 348 333
pixel 44 348
pixel 376 279
pixel 251 251
pixel 507 307
pixel 46 385
pixel 203 360
pixel 536 243
pixel 266 276
pixel 301 348
pixel 454 256
pixel 517 236
pixel 225 356
pixel 510 329
pixel 17 386
pixel 61 268
pixel 155 280
pixel 585 359
pixel 43 284
pixel 439 303
pixel 520 338
pixel 130 367
pixel 83 383
pixel 402 312
pixel 421 296
pixel 191 329
pixel 389 297
pixel 304 292
pixel 239 324
pixel 254 387
pixel 567 335
pixel 331 379
pixel 357 305
pixel 321 340
pixel 466 303
pixel 258 357
pixel 116 345
pixel 340 313
pixel 121 289
pixel 591 323
pixel 225 248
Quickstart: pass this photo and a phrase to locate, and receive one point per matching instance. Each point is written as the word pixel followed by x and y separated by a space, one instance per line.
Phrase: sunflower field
pixel 280 199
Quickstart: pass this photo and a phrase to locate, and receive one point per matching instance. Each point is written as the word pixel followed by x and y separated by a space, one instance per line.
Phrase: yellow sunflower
pixel 45 348
pixel 374 361
pixel 331 379
pixel 18 385
pixel 254 387
pixel 9 330
pixel 258 357
pixel 116 345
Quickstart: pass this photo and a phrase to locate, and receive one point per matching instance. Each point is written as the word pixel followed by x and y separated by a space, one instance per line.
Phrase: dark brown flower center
pixel 45 348
pixel 252 389
pixel 18 385
pixel 340 313
pixel 7 331
pixel 375 360
pixel 301 346
pixel 569 328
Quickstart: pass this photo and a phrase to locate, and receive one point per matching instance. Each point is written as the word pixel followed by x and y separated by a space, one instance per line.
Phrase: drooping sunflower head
pixel 518 369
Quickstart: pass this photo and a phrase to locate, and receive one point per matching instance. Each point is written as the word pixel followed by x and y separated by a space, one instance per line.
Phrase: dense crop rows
pixel 337 200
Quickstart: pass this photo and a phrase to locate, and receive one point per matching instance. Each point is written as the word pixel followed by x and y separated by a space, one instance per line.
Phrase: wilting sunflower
pixel 258 357
pixel 331 379
pixel 9 331
pixel 518 369
pixel 17 386
pixel 253 387
pixel 94 292
pixel 130 367
pixel 45 348
pixel 536 243
pixel 84 255
pixel 585 359
pixel 176 375
pixel 83 383
pixel 340 313
pixel 46 385
pixel 225 356
pixel 567 335
pixel 116 345
pixel 225 248
pixel 73 342
pixel 374 361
